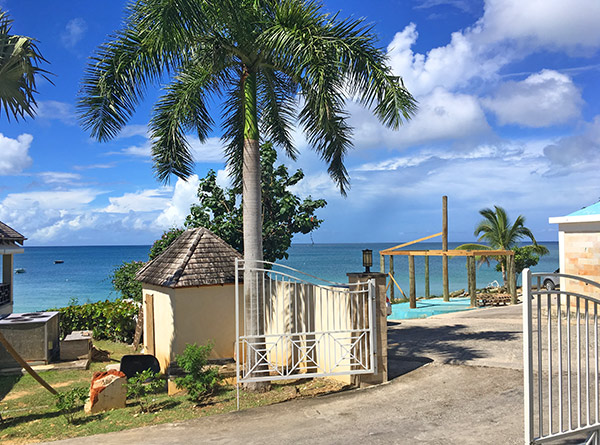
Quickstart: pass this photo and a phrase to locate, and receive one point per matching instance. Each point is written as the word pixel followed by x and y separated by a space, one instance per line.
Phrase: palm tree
pixel 271 63
pixel 500 234
pixel 19 67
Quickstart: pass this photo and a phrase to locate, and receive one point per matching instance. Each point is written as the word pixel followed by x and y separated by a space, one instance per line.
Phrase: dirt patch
pixel 16 395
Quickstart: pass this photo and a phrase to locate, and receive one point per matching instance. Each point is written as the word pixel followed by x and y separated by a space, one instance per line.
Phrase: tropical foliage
pixel 20 62
pixel 284 213
pixel 500 233
pixel 109 320
pixel 200 379
pixel 273 64
pixel 124 282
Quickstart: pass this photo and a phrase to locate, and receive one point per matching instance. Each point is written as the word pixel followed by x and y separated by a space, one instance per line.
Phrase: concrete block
pixel 108 391
pixel 77 345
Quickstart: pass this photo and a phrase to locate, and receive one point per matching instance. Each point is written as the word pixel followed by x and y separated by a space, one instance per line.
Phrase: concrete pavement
pixel 458 380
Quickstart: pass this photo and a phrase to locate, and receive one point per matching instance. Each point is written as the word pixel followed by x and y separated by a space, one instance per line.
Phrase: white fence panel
pixel 289 327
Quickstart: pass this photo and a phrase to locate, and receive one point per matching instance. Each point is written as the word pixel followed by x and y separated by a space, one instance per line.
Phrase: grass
pixel 29 415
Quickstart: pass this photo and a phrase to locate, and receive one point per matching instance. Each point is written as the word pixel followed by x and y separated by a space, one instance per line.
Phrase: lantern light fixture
pixel 367 258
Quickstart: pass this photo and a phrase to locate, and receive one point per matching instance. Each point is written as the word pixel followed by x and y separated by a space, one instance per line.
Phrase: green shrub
pixel 68 402
pixel 109 320
pixel 200 380
pixel 142 386
pixel 123 280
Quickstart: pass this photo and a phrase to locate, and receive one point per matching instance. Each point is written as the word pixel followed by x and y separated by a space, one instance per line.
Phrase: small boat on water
pixel 19 270
pixel 58 261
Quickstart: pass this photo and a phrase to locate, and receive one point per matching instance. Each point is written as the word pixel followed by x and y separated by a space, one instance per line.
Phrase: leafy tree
pixel 272 63
pixel 19 68
pixel 164 241
pixel 502 234
pixel 284 214
pixel 526 256
pixel 123 280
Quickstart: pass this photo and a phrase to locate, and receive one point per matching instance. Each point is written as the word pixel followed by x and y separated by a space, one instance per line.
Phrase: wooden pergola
pixel 470 255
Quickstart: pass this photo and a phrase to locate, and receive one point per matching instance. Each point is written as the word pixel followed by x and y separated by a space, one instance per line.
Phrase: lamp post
pixel 367 258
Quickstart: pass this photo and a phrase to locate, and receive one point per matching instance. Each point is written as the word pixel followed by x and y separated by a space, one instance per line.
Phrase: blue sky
pixel 509 115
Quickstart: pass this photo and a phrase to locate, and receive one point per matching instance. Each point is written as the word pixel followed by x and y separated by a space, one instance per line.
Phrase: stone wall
pixel 581 256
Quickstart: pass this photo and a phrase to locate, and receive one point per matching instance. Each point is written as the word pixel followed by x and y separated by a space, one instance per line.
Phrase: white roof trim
pixel 574 219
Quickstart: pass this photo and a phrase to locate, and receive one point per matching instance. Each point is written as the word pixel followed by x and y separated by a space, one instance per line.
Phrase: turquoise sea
pixel 85 273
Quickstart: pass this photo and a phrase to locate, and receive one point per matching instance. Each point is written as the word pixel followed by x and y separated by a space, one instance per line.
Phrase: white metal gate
pixel 289 327
pixel 561 360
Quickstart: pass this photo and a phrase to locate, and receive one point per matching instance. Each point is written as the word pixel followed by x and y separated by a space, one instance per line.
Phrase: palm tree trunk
pixel 503 267
pixel 251 196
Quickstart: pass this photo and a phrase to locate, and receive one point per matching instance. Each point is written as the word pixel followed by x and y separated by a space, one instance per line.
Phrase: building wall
pixel 159 321
pixel 186 316
pixel 580 255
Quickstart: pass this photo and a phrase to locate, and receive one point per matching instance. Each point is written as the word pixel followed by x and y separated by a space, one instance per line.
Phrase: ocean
pixel 85 272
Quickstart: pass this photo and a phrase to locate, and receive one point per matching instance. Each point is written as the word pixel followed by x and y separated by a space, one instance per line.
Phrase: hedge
pixel 109 320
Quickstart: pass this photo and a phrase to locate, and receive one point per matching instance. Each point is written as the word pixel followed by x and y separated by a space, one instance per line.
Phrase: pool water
pixel 428 308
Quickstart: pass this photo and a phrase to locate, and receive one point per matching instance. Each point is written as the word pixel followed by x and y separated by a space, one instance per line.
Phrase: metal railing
pixel 289 328
pixel 4 293
pixel 561 359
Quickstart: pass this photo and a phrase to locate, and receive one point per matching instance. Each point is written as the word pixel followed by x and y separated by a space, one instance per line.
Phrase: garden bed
pixel 29 413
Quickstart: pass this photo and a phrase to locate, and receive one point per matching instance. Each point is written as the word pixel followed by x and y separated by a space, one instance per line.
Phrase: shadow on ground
pixel 446 343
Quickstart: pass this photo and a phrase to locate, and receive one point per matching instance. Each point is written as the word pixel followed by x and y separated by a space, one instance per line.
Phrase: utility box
pixel 76 346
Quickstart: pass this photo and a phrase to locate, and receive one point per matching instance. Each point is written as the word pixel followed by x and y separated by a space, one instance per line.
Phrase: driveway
pixel 457 380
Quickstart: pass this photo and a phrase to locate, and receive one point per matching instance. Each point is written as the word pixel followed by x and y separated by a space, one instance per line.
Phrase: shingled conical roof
pixel 197 258
pixel 8 234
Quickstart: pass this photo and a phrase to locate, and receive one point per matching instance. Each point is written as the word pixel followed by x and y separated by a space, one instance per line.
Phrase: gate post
pixel 527 357
pixel 380 329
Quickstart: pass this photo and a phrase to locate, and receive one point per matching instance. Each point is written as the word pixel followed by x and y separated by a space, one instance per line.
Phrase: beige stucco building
pixel 189 297
pixel 11 243
pixel 579 248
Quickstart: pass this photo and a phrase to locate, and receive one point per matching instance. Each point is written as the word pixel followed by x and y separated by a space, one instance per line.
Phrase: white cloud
pixel 51 199
pixel 442 116
pixel 73 33
pixel 556 24
pixel 59 177
pixel 209 151
pixel 132 130
pixel 451 66
pixel 542 99
pixel 55 110
pixel 143 201
pixel 14 154
pixel 144 150
pixel 576 152
pixel 93 166
pixel 178 207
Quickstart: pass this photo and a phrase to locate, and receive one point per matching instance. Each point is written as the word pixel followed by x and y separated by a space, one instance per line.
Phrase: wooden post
pixel 512 280
pixel 392 275
pixel 472 279
pixel 24 364
pixel 381 263
pixel 411 278
pixel 445 247
pixel 427 276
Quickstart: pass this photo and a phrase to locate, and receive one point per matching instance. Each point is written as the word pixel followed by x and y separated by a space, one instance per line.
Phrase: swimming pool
pixel 428 308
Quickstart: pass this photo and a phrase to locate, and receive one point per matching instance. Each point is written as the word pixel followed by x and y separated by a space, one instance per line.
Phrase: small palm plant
pixel 500 234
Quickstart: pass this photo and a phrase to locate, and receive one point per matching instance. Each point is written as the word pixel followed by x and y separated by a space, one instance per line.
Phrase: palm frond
pixel 182 108
pixel 20 62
